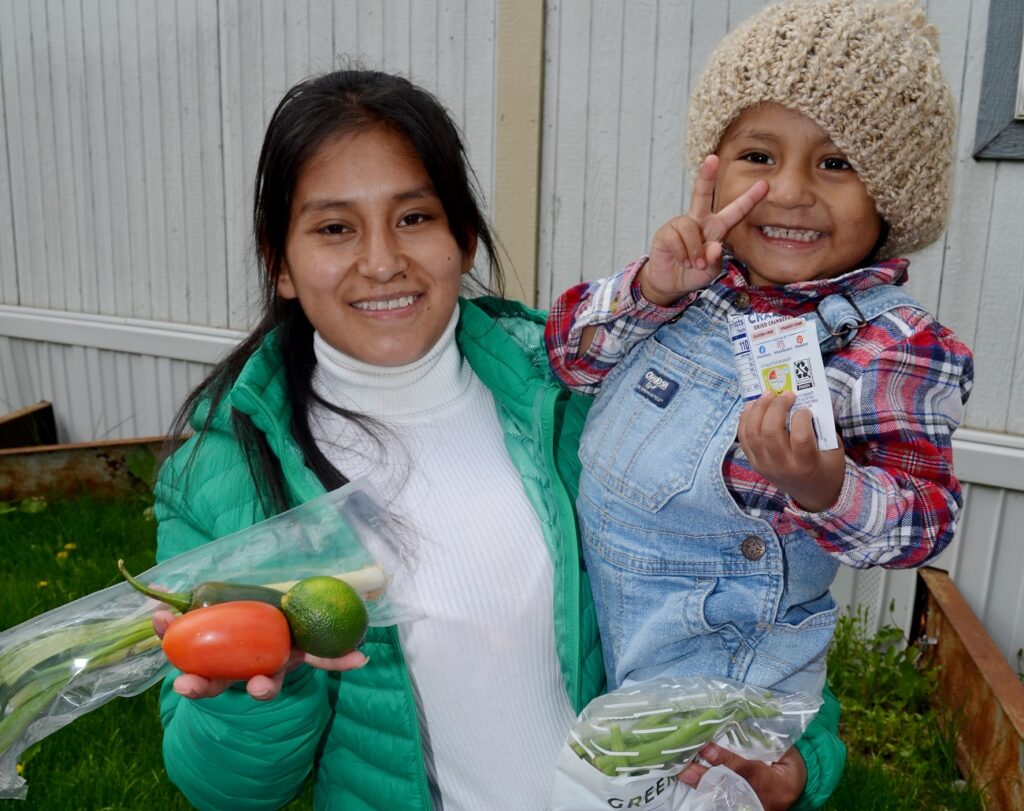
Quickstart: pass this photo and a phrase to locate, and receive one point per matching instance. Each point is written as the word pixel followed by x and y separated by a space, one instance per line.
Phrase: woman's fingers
pixel 350 661
pixel 263 688
pixel 190 685
pixel 161 620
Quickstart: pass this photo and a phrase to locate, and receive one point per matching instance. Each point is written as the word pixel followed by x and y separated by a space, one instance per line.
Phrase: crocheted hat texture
pixel 868 74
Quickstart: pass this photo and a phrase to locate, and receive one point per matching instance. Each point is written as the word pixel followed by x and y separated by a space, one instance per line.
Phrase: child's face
pixel 369 253
pixel 816 221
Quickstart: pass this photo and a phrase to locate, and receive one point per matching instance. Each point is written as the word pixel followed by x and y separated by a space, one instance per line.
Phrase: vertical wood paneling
pixel 563 160
pixel 423 44
pixel 131 131
pixel 397 53
pixel 996 336
pixel 670 84
pixel 477 117
pixel 636 110
pixel 66 65
pixel 8 258
pixel 604 93
pixel 21 130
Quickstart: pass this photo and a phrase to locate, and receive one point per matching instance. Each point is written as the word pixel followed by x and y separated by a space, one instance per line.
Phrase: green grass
pixel 900 749
pixel 108 759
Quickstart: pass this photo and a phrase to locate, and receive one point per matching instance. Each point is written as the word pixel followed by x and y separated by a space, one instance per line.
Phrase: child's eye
pixel 757 157
pixel 835 164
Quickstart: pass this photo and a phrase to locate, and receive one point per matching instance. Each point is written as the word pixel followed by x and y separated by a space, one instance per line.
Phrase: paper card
pixel 775 354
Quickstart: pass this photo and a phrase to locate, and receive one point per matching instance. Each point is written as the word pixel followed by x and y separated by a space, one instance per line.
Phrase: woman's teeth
pixel 791 234
pixel 390 304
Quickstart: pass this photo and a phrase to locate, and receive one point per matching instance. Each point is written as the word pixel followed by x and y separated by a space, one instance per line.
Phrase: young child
pixel 712 531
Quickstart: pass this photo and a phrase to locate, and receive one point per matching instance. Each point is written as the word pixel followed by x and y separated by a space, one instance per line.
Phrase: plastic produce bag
pixel 73 659
pixel 628 745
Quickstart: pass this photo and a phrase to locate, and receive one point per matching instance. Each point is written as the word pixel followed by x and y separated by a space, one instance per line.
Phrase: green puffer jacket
pixel 363 736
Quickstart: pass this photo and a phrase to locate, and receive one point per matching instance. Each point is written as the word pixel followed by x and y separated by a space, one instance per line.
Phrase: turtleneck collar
pixel 434 381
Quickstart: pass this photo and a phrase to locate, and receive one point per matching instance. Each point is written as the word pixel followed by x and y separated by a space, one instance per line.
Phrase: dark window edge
pixel 999 136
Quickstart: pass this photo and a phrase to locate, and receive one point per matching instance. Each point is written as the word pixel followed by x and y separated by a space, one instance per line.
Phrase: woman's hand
pixel 685 251
pixel 778 786
pixel 790 458
pixel 262 688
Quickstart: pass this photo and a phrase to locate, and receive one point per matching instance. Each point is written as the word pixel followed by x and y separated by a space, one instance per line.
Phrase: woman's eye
pixel 835 164
pixel 413 219
pixel 757 157
pixel 333 229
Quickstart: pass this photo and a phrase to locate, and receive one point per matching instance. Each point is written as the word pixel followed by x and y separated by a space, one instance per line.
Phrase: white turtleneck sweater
pixel 482 656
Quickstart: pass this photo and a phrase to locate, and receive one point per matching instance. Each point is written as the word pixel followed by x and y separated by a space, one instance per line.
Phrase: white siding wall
pixel 129 133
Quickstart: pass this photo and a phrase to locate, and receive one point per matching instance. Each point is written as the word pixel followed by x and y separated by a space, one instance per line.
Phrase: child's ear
pixel 469 255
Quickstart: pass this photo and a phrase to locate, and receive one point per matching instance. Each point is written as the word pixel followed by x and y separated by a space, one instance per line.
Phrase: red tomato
pixel 235 640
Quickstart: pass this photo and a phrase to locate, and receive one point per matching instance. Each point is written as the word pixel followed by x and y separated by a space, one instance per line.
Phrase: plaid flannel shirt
pixel 898 393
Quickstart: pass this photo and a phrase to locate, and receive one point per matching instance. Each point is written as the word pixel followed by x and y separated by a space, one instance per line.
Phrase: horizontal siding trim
pixel 130 335
pixel 983 457
pixel 980 457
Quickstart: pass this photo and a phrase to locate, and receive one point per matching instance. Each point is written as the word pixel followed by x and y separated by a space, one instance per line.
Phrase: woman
pixel 368 364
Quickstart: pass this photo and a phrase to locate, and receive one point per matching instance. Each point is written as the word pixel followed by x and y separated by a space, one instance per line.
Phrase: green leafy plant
pixel 901 744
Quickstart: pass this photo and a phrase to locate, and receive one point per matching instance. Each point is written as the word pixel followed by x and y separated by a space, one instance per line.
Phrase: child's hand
pixel 685 251
pixel 790 459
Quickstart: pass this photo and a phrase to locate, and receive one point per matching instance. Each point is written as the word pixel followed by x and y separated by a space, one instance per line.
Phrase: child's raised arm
pixel 593 325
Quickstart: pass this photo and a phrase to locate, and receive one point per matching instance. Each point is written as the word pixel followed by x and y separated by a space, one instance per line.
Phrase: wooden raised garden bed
pixel 979 686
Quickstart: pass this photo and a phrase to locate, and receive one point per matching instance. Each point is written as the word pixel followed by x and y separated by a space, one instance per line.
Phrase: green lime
pixel 327 616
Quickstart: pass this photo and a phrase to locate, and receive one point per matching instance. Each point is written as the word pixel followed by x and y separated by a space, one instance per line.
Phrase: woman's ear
pixel 285 285
pixel 469 256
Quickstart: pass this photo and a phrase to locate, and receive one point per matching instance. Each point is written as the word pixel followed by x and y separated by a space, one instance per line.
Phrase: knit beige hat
pixel 867 72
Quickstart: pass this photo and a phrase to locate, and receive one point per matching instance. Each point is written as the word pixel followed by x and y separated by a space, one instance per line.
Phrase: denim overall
pixel 685 582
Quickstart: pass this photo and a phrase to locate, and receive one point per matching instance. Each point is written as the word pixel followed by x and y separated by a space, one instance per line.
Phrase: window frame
pixel 999 134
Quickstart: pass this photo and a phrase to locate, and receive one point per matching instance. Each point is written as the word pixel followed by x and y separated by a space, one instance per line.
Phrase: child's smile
pixel 817 219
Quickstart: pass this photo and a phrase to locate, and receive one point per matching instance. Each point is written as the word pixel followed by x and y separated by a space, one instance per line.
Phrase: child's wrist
pixel 652 295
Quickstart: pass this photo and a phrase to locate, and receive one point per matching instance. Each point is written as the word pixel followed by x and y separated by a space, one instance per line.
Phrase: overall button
pixel 741 301
pixel 753 548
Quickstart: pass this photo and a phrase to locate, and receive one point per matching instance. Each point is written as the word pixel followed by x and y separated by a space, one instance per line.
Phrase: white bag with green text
pixel 628 746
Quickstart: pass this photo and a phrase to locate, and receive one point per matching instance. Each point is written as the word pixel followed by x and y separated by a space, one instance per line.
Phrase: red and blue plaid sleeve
pixel 619 317
pixel 898 406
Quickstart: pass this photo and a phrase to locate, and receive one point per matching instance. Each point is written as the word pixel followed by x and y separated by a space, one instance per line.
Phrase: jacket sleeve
pixel 231 752
pixel 619 316
pixel 823 753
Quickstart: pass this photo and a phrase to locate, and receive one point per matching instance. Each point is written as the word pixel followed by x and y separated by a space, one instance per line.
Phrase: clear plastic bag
pixel 628 745
pixel 73 659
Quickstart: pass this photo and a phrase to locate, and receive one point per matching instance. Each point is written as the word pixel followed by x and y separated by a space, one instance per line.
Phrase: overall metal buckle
pixel 861 320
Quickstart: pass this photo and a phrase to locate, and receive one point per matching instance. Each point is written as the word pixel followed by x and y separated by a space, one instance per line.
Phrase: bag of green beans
pixel 628 745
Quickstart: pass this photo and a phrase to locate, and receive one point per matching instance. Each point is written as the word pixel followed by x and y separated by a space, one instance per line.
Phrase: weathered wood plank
pixel 985 697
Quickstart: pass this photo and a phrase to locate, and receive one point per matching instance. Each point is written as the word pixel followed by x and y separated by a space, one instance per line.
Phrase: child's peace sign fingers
pixel 703 196
pixel 717 225
pixel 676 264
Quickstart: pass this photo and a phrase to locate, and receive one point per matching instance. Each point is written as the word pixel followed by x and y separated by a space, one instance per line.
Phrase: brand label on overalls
pixel 657 388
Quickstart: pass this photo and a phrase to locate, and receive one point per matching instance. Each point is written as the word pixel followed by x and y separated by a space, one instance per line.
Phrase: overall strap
pixel 839 316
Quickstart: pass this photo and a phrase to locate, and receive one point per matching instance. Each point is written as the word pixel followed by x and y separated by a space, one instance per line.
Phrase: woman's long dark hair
pixel 311 113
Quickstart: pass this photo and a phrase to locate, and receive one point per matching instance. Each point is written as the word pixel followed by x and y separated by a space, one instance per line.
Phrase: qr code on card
pixel 802 374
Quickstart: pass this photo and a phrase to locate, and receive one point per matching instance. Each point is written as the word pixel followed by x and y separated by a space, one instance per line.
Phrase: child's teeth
pixel 790 233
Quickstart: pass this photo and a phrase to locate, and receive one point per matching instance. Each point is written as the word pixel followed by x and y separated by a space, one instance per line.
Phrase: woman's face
pixel 369 254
